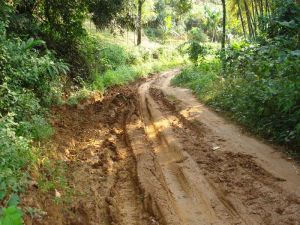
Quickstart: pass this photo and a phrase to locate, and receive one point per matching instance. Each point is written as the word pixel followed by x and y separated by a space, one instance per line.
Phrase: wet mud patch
pixel 100 168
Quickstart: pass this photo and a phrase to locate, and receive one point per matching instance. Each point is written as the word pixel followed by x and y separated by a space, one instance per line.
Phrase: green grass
pixel 114 61
pixel 126 74
pixel 204 79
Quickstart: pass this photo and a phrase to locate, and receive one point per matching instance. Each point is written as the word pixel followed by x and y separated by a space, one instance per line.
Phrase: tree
pixel 139 21
pixel 249 19
pixel 111 13
pixel 213 18
pixel 63 20
pixel 223 34
pixel 241 17
pixel 181 7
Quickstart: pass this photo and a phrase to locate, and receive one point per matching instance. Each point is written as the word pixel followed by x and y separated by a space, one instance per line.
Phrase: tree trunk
pixel 256 8
pixel 249 21
pixel 267 8
pixel 139 22
pixel 261 7
pixel 254 17
pixel 223 37
pixel 241 17
pixel 256 11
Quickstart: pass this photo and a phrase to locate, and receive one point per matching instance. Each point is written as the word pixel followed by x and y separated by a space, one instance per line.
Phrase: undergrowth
pixel 32 80
pixel 262 96
pixel 115 64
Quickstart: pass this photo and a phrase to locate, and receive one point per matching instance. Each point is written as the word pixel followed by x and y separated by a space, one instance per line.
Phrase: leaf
pixel 2 194
pixel 298 128
pixel 33 43
pixel 168 21
pixel 14 200
pixel 290 24
pixel 11 216
pixel 295 53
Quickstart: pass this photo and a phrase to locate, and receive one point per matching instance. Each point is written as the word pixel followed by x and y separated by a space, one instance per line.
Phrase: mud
pixel 150 153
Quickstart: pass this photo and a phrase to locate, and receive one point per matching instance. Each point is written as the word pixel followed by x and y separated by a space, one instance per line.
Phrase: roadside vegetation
pixel 61 52
pixel 257 80
pixel 52 54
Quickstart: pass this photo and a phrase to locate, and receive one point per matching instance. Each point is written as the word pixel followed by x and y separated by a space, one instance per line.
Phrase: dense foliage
pixel 46 53
pixel 29 83
pixel 48 56
pixel 261 84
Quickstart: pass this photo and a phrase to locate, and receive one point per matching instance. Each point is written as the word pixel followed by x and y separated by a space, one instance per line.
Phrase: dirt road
pixel 150 153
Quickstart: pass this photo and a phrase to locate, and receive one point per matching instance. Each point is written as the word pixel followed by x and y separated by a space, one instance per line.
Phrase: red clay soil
pixel 150 153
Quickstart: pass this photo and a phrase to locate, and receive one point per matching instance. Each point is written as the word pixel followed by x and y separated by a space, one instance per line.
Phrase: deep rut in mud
pixel 140 156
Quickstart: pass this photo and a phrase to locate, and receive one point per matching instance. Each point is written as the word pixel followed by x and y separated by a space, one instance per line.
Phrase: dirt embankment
pixel 150 154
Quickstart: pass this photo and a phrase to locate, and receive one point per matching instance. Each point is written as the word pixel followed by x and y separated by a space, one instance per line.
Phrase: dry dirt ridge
pixel 150 153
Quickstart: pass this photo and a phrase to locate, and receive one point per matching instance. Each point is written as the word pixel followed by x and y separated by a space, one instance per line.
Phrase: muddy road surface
pixel 150 153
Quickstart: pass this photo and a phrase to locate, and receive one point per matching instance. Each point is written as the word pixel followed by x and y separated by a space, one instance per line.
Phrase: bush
pixel 260 88
pixel 15 157
pixel 37 128
pixel 11 215
pixel 100 56
pixel 268 97
pixel 197 34
pixel 156 34
pixel 23 67
pixel 29 83
pixel 122 75
pixel 195 50
pixel 111 56
pixel 199 78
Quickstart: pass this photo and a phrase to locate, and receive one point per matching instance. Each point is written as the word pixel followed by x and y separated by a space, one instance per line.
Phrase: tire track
pixel 191 196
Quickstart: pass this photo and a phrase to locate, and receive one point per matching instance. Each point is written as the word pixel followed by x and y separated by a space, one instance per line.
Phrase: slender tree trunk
pixel 266 6
pixel 248 16
pixel 223 37
pixel 224 24
pixel 256 12
pixel 268 10
pixel 256 8
pixel 241 17
pixel 254 17
pixel 139 22
pixel 261 7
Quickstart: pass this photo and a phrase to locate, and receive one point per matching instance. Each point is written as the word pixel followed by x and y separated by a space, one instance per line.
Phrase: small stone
pixel 216 148
pixel 57 194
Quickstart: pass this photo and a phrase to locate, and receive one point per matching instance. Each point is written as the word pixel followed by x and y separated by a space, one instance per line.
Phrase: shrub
pixel 15 157
pixel 195 50
pixel 77 96
pixel 260 88
pixel 197 34
pixel 199 78
pixel 29 82
pixel 11 215
pixel 121 75
pixel 111 56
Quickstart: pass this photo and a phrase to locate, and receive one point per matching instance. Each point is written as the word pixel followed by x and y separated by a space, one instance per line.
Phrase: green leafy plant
pixel 11 216
pixel 260 88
